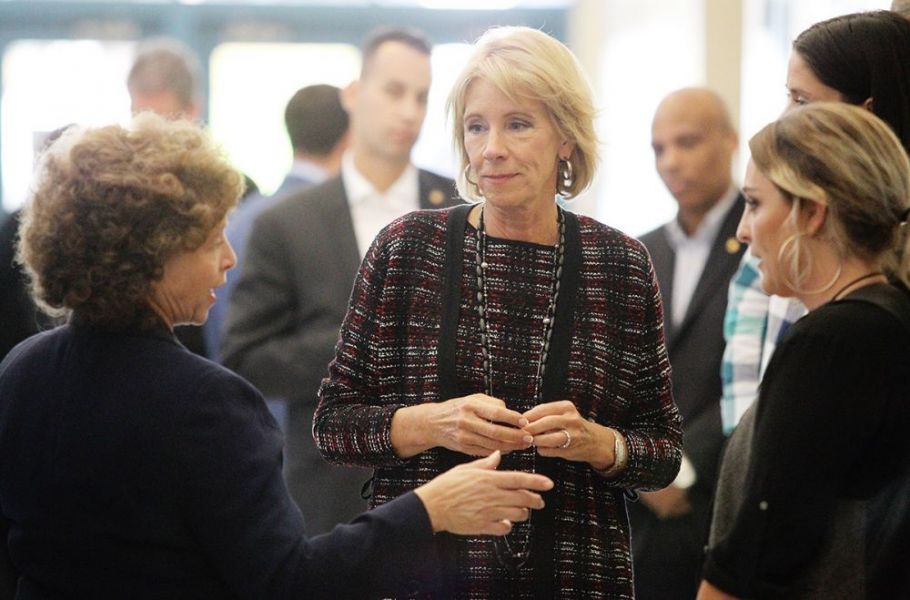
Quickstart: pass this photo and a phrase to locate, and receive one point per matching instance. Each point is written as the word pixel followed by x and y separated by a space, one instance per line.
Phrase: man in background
pixel 694 256
pixel 303 254
pixel 317 126
pixel 165 79
pixel 901 7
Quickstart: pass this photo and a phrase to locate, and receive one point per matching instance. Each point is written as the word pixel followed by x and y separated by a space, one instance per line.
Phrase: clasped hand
pixel 479 424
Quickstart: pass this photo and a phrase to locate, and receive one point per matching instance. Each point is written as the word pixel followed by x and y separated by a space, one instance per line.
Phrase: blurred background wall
pixel 66 62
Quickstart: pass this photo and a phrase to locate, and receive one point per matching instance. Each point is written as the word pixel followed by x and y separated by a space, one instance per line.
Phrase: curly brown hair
pixel 110 205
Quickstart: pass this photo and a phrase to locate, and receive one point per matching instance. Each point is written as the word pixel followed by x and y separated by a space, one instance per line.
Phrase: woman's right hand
pixel 476 499
pixel 475 425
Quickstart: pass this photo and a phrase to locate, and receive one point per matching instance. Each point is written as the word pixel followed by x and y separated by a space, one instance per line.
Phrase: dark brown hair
pixel 110 205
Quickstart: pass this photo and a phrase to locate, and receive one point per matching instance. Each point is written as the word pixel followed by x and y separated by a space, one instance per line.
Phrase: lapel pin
pixel 732 245
pixel 436 197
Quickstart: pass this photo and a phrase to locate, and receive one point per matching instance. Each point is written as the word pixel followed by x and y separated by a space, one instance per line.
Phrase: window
pixel 49 84
pixel 250 85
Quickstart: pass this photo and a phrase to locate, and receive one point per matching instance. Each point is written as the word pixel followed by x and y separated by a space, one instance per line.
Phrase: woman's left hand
pixel 561 432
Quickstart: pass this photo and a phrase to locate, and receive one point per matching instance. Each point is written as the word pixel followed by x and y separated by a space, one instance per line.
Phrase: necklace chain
pixel 517 557
pixel 837 296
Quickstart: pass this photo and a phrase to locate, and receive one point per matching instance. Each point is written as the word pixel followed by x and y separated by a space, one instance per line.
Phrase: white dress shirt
pixel 691 253
pixel 372 210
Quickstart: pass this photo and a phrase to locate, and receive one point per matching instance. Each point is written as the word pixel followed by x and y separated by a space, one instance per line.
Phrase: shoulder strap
pixel 451 300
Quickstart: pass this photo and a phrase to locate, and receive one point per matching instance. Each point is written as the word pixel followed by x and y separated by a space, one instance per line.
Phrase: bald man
pixel 694 255
pixel 901 7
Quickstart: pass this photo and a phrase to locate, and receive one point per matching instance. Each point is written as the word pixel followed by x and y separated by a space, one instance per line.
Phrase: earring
pixel 567 176
pixel 477 192
pixel 794 260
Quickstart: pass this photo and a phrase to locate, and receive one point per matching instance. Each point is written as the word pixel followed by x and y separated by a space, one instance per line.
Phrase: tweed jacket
pixel 616 372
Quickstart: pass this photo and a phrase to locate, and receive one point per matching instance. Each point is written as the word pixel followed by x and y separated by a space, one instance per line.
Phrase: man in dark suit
pixel 695 255
pixel 317 126
pixel 303 254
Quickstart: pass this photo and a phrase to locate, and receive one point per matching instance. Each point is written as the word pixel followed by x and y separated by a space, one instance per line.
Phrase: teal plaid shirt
pixel 753 325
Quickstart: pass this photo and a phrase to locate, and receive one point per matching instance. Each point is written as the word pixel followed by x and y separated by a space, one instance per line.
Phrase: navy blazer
pixel 132 468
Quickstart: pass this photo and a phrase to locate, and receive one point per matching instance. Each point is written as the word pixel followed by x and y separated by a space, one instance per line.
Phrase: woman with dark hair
pixel 132 468
pixel 812 497
pixel 861 59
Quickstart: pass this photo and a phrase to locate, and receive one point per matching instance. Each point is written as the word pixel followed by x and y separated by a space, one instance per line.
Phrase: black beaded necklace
pixel 516 558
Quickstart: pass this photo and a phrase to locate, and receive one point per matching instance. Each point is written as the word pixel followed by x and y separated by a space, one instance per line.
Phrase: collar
pixel 709 226
pixel 155 329
pixel 359 189
pixel 308 171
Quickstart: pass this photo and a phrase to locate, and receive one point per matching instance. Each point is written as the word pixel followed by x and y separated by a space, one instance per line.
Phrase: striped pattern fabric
pixel 744 330
pixel 618 375
pixel 753 326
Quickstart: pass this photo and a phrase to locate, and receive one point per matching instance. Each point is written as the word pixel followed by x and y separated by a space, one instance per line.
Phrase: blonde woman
pixel 512 325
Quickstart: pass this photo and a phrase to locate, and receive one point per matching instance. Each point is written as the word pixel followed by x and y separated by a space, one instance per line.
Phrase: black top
pixel 831 427
pixel 130 467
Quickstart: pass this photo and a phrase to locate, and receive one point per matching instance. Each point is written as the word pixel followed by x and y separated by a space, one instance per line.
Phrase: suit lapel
pixel 336 217
pixel 725 255
pixel 664 261
pixel 434 191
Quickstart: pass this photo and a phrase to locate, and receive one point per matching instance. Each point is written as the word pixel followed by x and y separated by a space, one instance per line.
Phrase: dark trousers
pixel 668 554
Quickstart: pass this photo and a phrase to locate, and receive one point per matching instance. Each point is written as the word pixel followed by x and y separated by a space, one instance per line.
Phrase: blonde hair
pixel 111 205
pixel 847 159
pixel 527 64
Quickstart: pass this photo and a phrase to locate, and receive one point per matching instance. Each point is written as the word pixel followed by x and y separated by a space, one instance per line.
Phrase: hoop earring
pixel 566 176
pixel 477 192
pixel 793 239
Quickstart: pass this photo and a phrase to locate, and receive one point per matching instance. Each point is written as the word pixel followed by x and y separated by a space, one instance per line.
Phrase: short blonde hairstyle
pixel 110 205
pixel 847 159
pixel 527 64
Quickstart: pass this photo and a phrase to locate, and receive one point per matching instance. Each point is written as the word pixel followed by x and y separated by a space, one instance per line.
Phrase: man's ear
pixel 349 96
pixel 193 111
pixel 733 141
